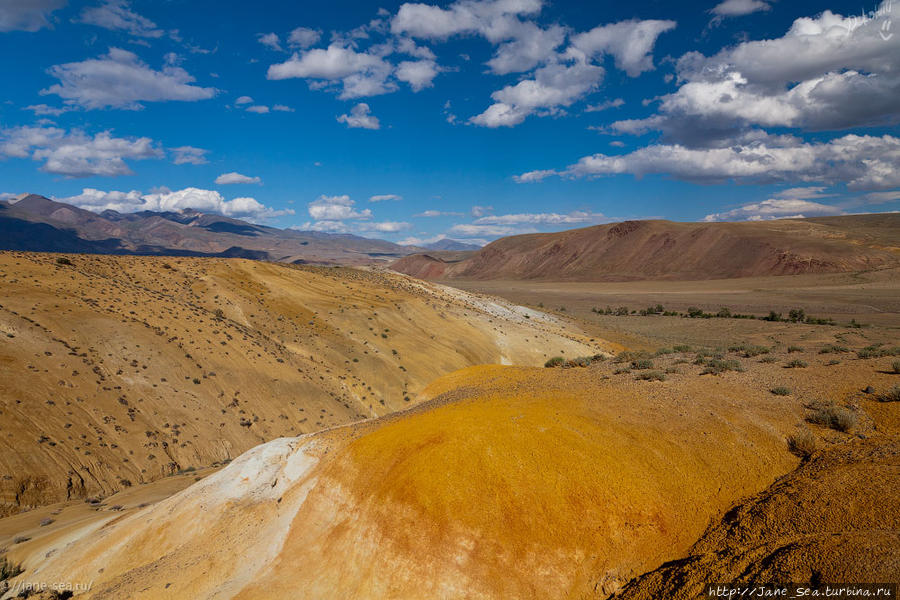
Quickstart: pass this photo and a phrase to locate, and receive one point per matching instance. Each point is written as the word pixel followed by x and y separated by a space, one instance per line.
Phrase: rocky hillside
pixel 635 250
pixel 119 370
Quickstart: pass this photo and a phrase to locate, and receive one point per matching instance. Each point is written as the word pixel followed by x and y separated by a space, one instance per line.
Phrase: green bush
pixel 641 364
pixel 832 349
pixel 681 348
pixel 781 391
pixel 792 349
pixel 62 260
pixel 556 361
pixel 749 350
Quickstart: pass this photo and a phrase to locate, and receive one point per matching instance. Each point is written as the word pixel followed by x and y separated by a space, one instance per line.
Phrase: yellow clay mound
pixel 511 483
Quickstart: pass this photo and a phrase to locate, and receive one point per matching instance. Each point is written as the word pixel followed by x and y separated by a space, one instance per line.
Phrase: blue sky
pixel 471 119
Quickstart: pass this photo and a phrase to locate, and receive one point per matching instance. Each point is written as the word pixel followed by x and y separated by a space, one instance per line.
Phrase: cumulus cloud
pixel 629 42
pixel 775 208
pixel 234 177
pixel 258 109
pixel 863 162
pixel 360 73
pixel 360 117
pixel 552 86
pixel 438 213
pixel 474 230
pixel 386 226
pixel 418 74
pixel 27 15
pixel 739 8
pixel 189 155
pixel 480 211
pixel 244 100
pixel 542 218
pixel 120 79
pixel 74 153
pixel 383 197
pixel 491 18
pixel 336 208
pixel 188 198
pixel 534 176
pixel 303 37
pixel 118 16
pixel 826 73
pixel 616 103
pixel 269 40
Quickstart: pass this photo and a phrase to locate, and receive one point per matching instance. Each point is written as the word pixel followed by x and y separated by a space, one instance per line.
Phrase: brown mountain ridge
pixel 636 250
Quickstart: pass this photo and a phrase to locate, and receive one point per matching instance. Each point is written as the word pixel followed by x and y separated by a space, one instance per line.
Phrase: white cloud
pixel 473 230
pixel 282 108
pixel 530 46
pixel 76 154
pixel 480 211
pixel 269 40
pixel 629 42
pixel 775 208
pixel 604 105
pixel 258 109
pixel 118 16
pixel 827 72
pixel 43 109
pixel 360 117
pixel 324 227
pixel 120 79
pixel 418 74
pixel 303 37
pixel 244 100
pixel 863 162
pixel 491 18
pixel 437 213
pixel 739 8
pixel 27 15
pixel 534 176
pixel 553 86
pixel 193 198
pixel 336 208
pixel 542 218
pixel 360 73
pixel 386 226
pixel 383 197
pixel 234 177
pixel 189 155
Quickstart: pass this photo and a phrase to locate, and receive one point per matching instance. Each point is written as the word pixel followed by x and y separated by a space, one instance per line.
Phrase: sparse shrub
pixel 196 381
pixel 46 521
pixel 724 313
pixel 219 313
pixel 716 366
pixel 62 260
pixel 749 350
pixel 8 570
pixel 622 311
pixel 792 349
pixel 781 391
pixel 681 348
pixel 21 539
pixel 651 376
pixel 835 417
pixel 665 351
pixel 895 366
pixel 832 362
pixel 796 315
pixel 795 364
pixel 694 312
pixel 622 371
pixel 641 364
pixel 623 357
pixel 581 361
pixel 892 395
pixel 673 371
pixel 802 443
pixel 773 316
pixel 833 349
pixel 556 361
pixel 768 359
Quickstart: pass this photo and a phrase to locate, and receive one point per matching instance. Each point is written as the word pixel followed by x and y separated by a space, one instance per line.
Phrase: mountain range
pixel 35 223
